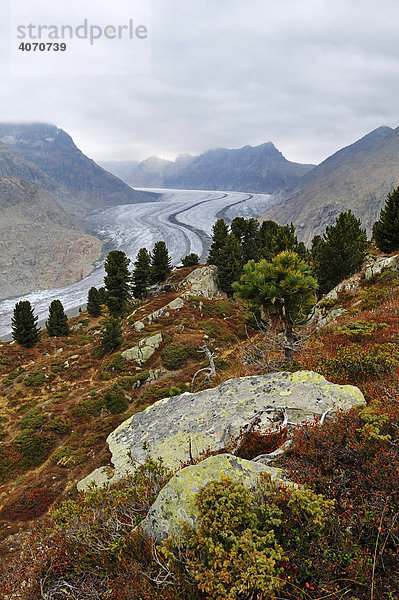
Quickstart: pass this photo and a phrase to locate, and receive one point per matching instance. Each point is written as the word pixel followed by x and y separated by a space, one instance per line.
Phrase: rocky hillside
pixel 61 401
pixel 83 185
pixel 358 177
pixel 259 169
pixel 41 245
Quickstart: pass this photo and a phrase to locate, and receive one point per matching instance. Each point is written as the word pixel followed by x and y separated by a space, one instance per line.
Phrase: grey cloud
pixel 310 75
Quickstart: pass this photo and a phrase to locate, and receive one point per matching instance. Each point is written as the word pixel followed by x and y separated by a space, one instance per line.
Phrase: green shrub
pixel 89 406
pixel 98 352
pixel 212 328
pixel 129 383
pixel 358 329
pixel 66 457
pixel 115 400
pixel 218 308
pixel 33 419
pixel 176 390
pixel 175 355
pixel 117 362
pixel 58 425
pixel 35 379
pixel 355 362
pixel 34 446
pixel 13 375
pixel 230 555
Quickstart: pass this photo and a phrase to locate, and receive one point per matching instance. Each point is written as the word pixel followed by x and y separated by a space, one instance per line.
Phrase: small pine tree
pixel 191 260
pixel 220 232
pixel 160 262
pixel 117 282
pixel 94 302
pixel 111 335
pixel 24 325
pixel 386 229
pixel 283 290
pixel 341 251
pixel 142 273
pixel 57 323
pixel 230 264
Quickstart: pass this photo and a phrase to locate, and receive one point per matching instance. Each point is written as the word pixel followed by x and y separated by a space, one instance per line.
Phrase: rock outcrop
pixel 200 282
pixel 176 501
pixel 183 426
pixel 382 262
pixel 144 350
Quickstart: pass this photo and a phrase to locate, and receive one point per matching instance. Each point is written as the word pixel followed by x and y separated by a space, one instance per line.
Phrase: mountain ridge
pixel 256 169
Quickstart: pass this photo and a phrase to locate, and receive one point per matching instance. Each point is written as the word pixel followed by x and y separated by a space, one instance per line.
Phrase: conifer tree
pixel 111 335
pixel 160 262
pixel 341 251
pixel 282 290
pixel 57 322
pixel 386 229
pixel 94 302
pixel 220 232
pixel 117 282
pixel 24 325
pixel 230 264
pixel 190 260
pixel 141 273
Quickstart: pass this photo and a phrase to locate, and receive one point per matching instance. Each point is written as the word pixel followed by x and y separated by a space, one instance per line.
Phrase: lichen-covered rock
pixel 144 350
pixel 202 282
pixel 391 262
pixel 176 501
pixel 174 427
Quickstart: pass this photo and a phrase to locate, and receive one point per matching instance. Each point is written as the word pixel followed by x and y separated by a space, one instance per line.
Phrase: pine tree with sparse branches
pixel 160 262
pixel 24 325
pixel 141 273
pixel 94 302
pixel 57 322
pixel 111 335
pixel 117 282
pixel 386 229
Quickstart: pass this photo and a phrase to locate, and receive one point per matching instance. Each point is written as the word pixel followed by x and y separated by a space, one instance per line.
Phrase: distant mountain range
pixel 46 186
pixel 358 177
pixel 258 169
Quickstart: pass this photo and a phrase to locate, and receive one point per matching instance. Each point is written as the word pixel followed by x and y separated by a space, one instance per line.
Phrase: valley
pixel 182 218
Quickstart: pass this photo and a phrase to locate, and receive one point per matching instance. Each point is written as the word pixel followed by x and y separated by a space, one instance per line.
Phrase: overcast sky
pixel 309 75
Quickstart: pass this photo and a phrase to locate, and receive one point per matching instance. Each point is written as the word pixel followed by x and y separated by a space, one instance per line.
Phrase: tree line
pixel 264 264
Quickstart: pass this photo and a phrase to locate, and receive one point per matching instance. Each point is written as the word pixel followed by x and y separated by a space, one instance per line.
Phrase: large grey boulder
pixel 175 503
pixel 183 426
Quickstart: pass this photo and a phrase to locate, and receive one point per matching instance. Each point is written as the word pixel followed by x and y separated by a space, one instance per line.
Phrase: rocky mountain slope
pixel 358 177
pixel 82 186
pixel 40 245
pixel 61 400
pixel 249 169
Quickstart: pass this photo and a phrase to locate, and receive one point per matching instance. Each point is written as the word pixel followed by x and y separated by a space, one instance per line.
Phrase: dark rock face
pixel 82 186
pixel 358 177
pixel 259 169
